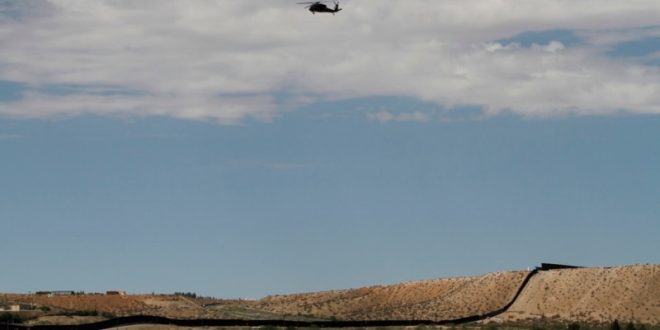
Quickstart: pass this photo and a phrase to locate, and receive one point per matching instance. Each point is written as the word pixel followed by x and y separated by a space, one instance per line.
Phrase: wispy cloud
pixel 228 60
pixel 387 116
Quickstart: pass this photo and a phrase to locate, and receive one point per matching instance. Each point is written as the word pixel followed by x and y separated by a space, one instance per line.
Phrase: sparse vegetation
pixel 573 326
pixel 268 327
pixel 108 315
pixel 492 326
pixel 84 313
pixel 581 299
pixel 432 299
pixel 186 294
pixel 10 318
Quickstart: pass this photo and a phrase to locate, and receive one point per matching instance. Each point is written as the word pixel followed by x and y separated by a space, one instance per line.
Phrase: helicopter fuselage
pixel 321 8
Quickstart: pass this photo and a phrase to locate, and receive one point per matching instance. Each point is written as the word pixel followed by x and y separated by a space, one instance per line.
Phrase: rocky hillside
pixel 592 295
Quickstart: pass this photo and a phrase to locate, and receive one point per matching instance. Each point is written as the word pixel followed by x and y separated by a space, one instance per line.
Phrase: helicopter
pixel 320 7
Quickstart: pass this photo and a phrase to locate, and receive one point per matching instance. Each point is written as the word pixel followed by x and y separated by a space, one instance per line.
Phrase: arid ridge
pixel 145 319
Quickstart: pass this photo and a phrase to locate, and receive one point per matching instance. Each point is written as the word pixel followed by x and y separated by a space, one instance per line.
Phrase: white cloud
pixel 386 116
pixel 226 60
pixel 553 47
pixel 227 110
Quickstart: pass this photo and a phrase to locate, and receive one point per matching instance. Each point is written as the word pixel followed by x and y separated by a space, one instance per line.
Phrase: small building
pixel 17 307
pixel 27 307
pixel 115 293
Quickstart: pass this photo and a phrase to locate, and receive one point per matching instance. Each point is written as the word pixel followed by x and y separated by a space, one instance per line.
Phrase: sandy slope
pixel 592 295
pixel 585 295
pixel 433 299
pixel 100 303
pixel 159 305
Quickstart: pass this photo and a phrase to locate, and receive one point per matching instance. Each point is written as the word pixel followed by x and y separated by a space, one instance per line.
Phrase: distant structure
pixel 27 307
pixel 115 293
pixel 54 293
pixel 17 307
pixel 10 308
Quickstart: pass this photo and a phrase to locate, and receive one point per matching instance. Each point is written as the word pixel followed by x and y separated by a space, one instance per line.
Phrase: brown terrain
pixel 429 300
pixel 589 295
pixel 630 293
pixel 592 295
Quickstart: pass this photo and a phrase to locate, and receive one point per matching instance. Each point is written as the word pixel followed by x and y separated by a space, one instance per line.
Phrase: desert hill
pixel 630 293
pixel 593 295
pixel 430 300
pixel 111 305
pixel 587 295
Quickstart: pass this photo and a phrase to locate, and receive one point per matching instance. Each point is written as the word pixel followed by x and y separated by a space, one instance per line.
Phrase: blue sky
pixel 147 158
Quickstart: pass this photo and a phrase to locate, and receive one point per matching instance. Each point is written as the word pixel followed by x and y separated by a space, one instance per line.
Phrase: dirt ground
pixel 627 293
pixel 594 295
pixel 432 299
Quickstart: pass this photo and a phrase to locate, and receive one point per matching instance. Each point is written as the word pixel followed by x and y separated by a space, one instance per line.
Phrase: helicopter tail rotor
pixel 337 6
